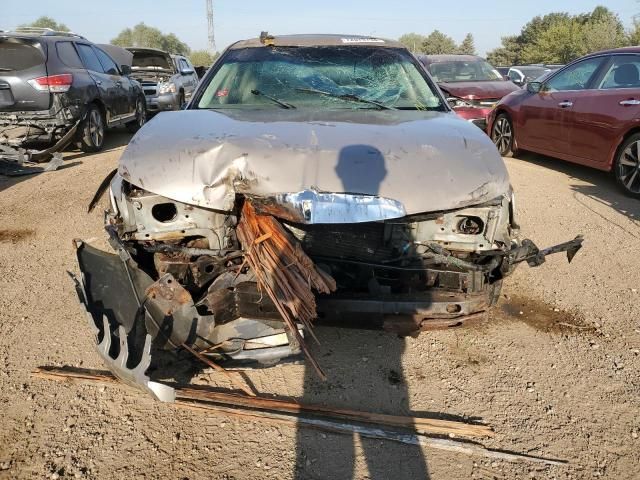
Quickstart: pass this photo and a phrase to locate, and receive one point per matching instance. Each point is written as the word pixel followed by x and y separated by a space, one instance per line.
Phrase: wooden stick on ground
pixel 373 432
pixel 332 423
pixel 433 426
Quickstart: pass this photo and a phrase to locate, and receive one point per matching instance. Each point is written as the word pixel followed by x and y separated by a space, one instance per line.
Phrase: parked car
pixel 346 147
pixel 471 84
pixel 53 83
pixel 587 112
pixel 520 75
pixel 168 80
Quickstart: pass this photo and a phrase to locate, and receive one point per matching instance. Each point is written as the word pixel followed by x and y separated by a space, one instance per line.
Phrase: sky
pixel 240 19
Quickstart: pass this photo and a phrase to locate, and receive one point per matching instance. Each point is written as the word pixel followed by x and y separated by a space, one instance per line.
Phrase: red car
pixel 472 86
pixel 587 112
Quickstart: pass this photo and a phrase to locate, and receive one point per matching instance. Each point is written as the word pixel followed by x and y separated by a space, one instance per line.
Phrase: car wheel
pixel 502 135
pixel 627 166
pixel 141 116
pixel 92 130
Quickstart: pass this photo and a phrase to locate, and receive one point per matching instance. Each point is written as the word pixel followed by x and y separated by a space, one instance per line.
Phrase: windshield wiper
pixel 346 96
pixel 273 99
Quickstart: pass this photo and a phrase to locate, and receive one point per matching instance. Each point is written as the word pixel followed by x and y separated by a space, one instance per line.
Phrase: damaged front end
pixel 23 133
pixel 180 276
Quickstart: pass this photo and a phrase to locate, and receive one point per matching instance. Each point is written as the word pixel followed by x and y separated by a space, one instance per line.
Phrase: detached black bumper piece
pixel 131 314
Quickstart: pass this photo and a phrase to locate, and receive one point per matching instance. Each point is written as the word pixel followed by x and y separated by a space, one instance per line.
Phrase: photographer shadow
pixel 364 370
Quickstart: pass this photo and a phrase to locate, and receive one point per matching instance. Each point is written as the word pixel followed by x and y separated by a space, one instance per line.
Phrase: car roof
pixel 316 40
pixel 39 34
pixel 449 58
pixel 633 49
pixel 146 49
pixel 520 67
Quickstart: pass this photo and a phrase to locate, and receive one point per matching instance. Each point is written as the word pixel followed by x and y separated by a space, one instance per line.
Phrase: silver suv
pixel 167 80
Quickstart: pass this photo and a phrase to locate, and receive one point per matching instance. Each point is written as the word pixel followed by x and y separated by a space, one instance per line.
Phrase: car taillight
pixel 52 83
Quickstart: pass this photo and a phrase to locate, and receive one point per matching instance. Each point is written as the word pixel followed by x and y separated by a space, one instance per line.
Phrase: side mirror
pixel 534 87
pixel 125 69
pixel 186 71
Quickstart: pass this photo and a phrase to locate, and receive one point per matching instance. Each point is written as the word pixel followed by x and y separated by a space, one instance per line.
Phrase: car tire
pixel 141 116
pixel 626 167
pixel 502 135
pixel 92 130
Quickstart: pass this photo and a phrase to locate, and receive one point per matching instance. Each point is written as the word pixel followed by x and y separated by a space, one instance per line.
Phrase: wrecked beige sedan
pixel 309 177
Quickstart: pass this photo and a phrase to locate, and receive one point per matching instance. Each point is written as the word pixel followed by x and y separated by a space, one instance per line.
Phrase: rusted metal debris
pixel 17 161
pixel 284 271
pixel 402 429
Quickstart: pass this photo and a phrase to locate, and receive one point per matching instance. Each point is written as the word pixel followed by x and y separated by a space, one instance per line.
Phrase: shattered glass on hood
pixel 317 76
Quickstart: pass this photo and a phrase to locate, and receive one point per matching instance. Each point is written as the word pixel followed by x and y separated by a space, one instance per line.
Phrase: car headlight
pixel 455 102
pixel 167 87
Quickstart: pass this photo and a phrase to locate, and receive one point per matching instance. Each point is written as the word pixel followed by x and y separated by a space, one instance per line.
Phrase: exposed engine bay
pixel 180 276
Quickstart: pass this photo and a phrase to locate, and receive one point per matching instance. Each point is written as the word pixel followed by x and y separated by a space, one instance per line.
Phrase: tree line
pixel 553 38
pixel 141 35
pixel 437 43
pixel 560 38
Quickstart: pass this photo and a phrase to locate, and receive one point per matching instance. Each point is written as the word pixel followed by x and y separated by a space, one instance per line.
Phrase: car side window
pixel 68 55
pixel 513 75
pixel 107 63
pixel 89 58
pixel 624 72
pixel 575 77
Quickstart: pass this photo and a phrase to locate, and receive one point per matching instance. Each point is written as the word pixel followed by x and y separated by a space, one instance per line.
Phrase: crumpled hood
pixel 479 90
pixel 428 161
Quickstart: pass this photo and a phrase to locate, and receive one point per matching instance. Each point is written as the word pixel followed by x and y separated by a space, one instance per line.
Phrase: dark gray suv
pixel 58 87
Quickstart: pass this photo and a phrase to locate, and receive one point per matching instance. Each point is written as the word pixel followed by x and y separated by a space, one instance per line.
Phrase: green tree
pixel 633 37
pixel 202 58
pixel 508 54
pixel 413 41
pixel 467 47
pixel 560 43
pixel 144 36
pixel 603 34
pixel 438 43
pixel 47 22
pixel 559 38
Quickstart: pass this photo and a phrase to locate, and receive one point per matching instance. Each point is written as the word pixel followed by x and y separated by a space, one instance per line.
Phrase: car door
pixel 125 101
pixel 542 125
pixel 600 117
pixel 107 88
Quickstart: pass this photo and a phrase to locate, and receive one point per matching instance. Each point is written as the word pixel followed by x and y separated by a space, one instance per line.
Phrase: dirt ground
pixel 554 370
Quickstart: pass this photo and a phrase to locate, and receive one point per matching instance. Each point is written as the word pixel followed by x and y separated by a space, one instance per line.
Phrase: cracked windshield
pixel 332 78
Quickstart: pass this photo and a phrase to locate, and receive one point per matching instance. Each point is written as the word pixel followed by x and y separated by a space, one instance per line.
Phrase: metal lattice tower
pixel 212 38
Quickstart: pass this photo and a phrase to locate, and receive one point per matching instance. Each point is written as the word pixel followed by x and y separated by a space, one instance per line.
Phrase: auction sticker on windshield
pixel 362 40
